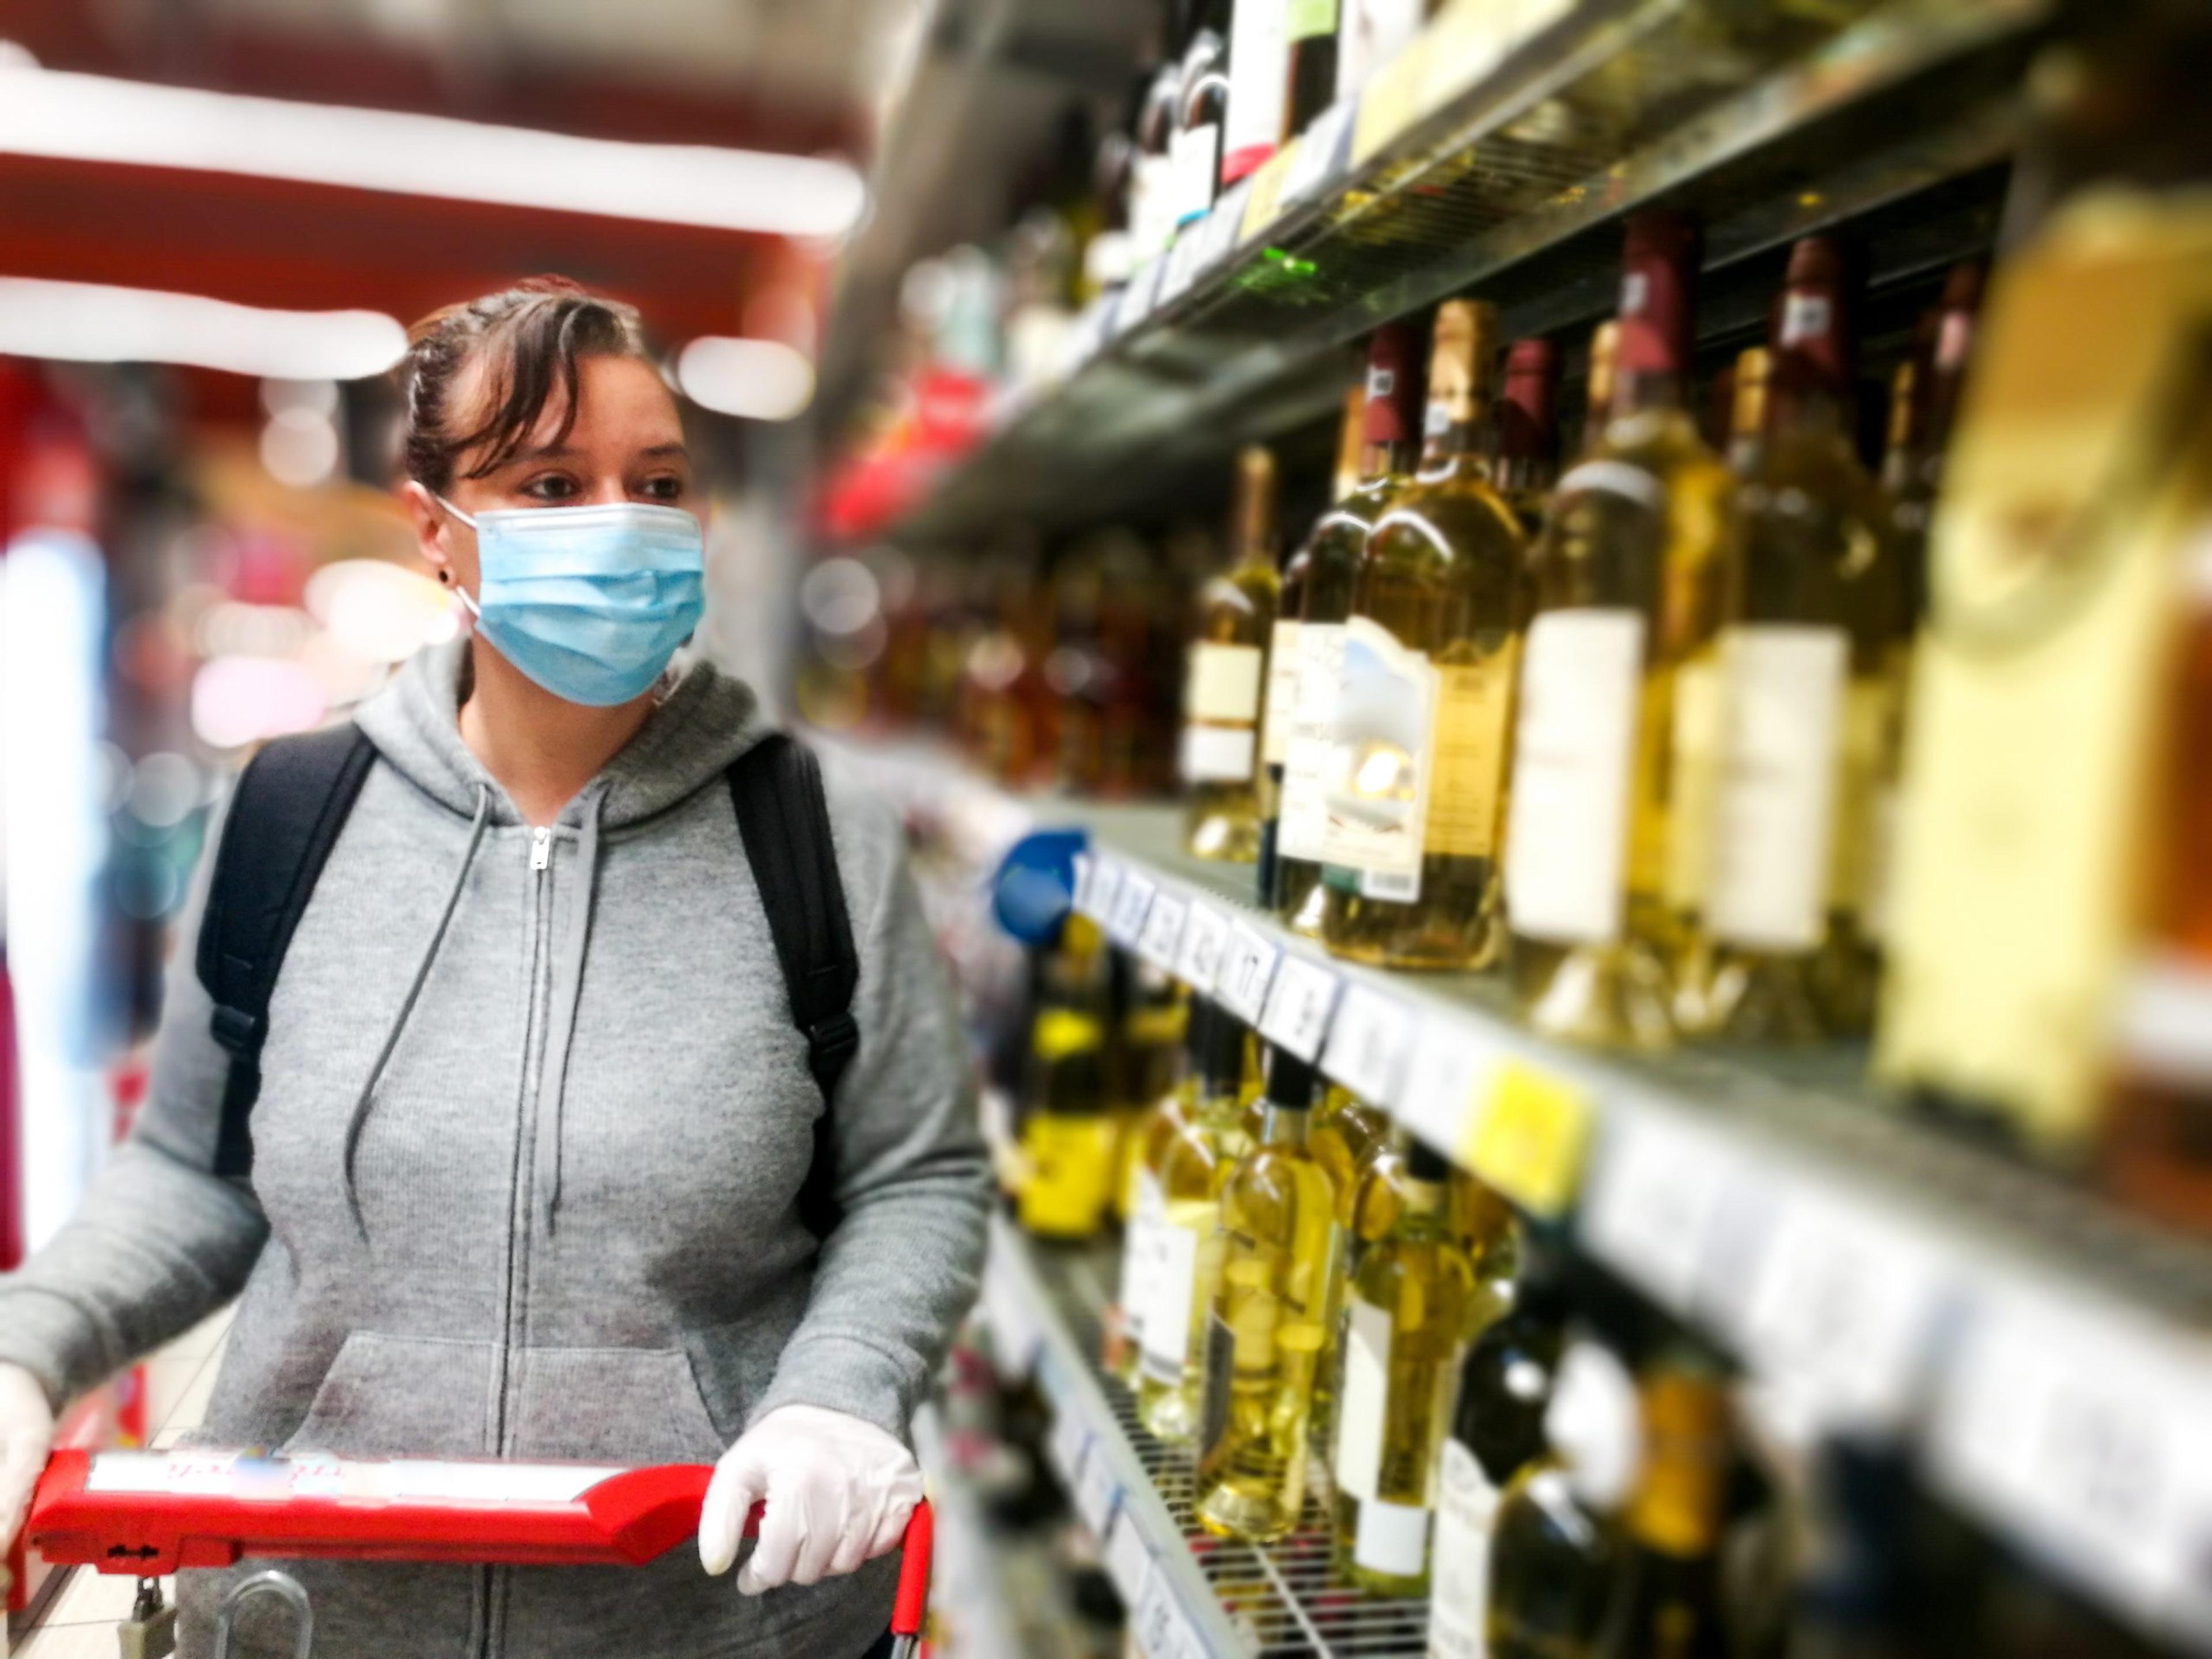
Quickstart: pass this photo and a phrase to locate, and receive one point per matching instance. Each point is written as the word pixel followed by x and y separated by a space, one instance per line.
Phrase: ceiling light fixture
pixel 91 322
pixel 755 379
pixel 94 118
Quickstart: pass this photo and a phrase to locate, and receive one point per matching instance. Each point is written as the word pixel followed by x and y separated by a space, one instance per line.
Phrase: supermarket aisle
pixel 80 1623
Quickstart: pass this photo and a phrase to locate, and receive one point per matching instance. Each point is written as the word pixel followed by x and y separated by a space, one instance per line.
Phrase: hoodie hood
pixel 706 721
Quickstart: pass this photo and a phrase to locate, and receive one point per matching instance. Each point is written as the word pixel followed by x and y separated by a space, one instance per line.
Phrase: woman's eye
pixel 668 489
pixel 552 487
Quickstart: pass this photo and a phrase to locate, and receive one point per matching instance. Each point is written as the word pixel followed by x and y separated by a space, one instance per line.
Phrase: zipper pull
pixel 541 848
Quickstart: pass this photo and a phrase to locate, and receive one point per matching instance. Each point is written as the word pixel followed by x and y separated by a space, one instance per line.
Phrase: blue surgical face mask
pixel 590 602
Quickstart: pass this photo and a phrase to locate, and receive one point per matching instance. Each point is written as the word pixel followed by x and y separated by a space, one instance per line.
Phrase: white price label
pixel 1450 1057
pixel 1096 1493
pixel 1653 1197
pixel 1223 224
pixel 1844 1311
pixel 1247 968
pixel 1205 942
pixel 1369 1042
pixel 1163 930
pixel 1069 1441
pixel 1323 151
pixel 1131 907
pixel 1183 263
pixel 1084 864
pixel 1295 1017
pixel 2087 1434
pixel 1128 1562
pixel 1163 1632
pixel 1105 889
pixel 1139 297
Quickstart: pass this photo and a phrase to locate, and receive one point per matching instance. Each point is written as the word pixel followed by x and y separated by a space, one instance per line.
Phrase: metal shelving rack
pixel 1511 186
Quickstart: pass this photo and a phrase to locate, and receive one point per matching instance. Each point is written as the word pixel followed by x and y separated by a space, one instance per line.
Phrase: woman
pixel 534 1116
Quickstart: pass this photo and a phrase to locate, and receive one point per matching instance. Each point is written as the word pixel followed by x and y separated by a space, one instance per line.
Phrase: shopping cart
pixel 150 1513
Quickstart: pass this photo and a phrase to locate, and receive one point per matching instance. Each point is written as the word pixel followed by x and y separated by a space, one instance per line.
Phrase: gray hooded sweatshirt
pixel 533 1120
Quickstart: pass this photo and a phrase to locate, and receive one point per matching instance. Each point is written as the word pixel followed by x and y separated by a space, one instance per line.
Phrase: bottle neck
pixel 1676 1508
pixel 1424 1201
pixel 1390 458
pixel 1451 434
pixel 1285 1125
pixel 1637 391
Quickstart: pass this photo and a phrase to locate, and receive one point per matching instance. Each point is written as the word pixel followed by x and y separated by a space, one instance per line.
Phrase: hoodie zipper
pixel 541 850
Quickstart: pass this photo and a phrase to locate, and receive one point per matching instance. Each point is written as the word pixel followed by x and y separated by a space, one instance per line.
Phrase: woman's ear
pixel 429 521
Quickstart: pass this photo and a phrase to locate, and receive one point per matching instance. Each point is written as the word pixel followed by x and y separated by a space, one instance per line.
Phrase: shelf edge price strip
pixel 1324 149
pixel 1104 887
pixel 1248 967
pixel 1163 1632
pixel 1205 944
pixel 1132 905
pixel 1657 1184
pixel 1128 1560
pixel 1369 1041
pixel 1164 926
pixel 1299 1001
pixel 1085 866
pixel 1096 1493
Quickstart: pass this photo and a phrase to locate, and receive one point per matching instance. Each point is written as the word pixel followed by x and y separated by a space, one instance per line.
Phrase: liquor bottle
pixel 1201 109
pixel 1226 669
pixel 2157 1131
pixel 1283 654
pixel 1498 1430
pixel 1143 1204
pixel 1409 1312
pixel 1554 1546
pixel 1258 49
pixel 1747 428
pixel 1597 386
pixel 1310 26
pixel 1186 1246
pixel 1068 1135
pixel 1345 1134
pixel 1144 1064
pixel 1667 1605
pixel 1266 1338
pixel 1528 463
pixel 1477 1218
pixel 1416 775
pixel 1923 412
pixel 1327 567
pixel 1809 662
pixel 1613 751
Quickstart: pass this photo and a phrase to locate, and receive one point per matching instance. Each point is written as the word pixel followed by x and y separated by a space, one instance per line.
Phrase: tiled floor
pixel 79 1622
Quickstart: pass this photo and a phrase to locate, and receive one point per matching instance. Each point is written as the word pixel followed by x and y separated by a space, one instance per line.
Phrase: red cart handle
pixel 150 1513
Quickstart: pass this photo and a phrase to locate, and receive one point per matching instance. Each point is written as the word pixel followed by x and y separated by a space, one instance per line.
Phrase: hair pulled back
pixel 529 337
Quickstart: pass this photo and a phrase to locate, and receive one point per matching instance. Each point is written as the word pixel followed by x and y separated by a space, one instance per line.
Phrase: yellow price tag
pixel 1528 1139
pixel 1390 101
pixel 1267 192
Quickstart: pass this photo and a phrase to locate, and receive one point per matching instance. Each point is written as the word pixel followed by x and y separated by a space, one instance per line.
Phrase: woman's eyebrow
pixel 665 449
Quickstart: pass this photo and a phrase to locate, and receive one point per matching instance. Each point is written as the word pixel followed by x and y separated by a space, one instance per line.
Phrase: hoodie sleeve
pixel 900 1271
pixel 159 1242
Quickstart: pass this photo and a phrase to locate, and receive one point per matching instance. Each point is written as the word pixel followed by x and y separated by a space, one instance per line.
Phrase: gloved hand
pixel 838 1493
pixel 26 1435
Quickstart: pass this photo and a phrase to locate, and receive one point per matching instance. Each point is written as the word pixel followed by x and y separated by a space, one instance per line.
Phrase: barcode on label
pixel 1400 888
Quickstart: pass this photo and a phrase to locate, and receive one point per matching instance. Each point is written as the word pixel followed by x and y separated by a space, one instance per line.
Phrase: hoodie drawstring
pixel 359 1117
pixel 569 971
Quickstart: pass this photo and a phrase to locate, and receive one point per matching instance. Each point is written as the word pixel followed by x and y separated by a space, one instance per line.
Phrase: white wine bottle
pixel 1226 668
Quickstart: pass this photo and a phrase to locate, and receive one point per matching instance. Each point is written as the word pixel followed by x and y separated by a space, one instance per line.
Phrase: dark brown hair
pixel 530 336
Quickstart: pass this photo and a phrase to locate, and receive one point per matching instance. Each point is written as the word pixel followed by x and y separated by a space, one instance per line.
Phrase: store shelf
pixel 2047 1354
pixel 1190 1596
pixel 1509 184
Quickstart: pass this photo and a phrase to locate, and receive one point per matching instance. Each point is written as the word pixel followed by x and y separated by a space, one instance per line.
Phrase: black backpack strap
pixel 284 818
pixel 776 786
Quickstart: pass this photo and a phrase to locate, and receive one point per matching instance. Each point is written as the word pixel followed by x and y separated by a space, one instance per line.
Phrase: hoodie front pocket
pixel 613 1406
pixel 400 1396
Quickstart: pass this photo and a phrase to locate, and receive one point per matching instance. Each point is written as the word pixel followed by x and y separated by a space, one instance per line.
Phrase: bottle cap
pixel 1658 266
pixel 1526 416
pixel 1810 351
pixel 1290 1081
pixel 1460 349
pixel 1390 385
pixel 1221 1061
pixel 1424 1162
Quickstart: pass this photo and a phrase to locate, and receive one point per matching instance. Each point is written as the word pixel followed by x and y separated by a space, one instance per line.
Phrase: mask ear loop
pixel 474 610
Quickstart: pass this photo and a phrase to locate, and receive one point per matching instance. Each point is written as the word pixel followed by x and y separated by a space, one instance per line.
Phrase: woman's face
pixel 626 444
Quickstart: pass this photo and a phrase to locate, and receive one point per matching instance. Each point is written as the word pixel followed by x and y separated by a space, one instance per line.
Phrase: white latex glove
pixel 26 1435
pixel 838 1493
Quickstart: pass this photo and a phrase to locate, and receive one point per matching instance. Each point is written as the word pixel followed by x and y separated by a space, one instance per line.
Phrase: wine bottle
pixel 1929 385
pixel 1747 430
pixel 1411 1310
pixel 1416 775
pixel 1143 1204
pixel 1667 1605
pixel 1227 666
pixel 1614 748
pixel 1597 387
pixel 1258 49
pixel 1325 569
pixel 1068 1134
pixel 1186 1248
pixel 1809 655
pixel 1498 1430
pixel 1528 463
pixel 1201 110
pixel 1310 27
pixel 1266 1339
pixel 1554 1544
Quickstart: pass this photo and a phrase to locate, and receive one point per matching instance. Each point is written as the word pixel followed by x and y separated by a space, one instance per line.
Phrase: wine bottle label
pixel 1305 18
pixel 1303 812
pixel 1152 204
pixel 1282 693
pixel 1259 86
pixel 1473 702
pixel 1392 1538
pixel 1565 845
pixel 1222 683
pixel 1376 780
pixel 1197 161
pixel 1217 754
pixel 1697 724
pixel 1775 813
pixel 1374 32
pixel 1459 1587
pixel 1363 1400
pixel 1167 1313
pixel 1139 1247
pixel 1220 1377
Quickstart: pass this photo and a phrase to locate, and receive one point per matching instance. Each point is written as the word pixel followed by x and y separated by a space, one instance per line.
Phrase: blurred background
pixel 1179 448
